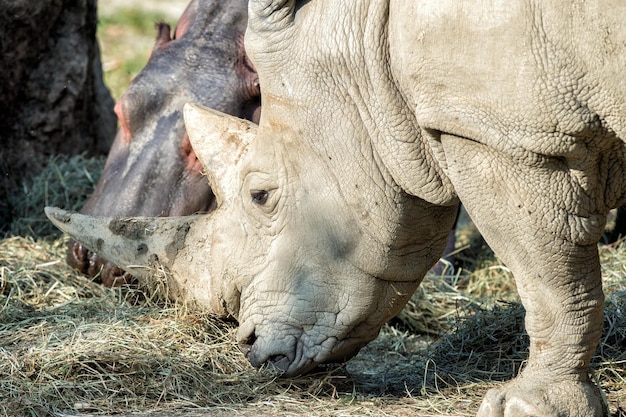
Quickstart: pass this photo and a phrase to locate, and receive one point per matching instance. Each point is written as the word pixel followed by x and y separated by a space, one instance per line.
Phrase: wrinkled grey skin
pixel 378 118
pixel 151 168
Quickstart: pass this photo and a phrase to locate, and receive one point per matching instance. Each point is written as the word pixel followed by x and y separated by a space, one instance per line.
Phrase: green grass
pixel 139 21
pixel 126 38
pixel 67 343
pixel 65 182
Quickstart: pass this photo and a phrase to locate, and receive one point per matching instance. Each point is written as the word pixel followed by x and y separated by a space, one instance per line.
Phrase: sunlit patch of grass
pixel 135 20
pixel 126 40
pixel 65 182
pixel 67 343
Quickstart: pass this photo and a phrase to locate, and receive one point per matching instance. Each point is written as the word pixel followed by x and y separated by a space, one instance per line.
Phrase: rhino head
pixel 310 274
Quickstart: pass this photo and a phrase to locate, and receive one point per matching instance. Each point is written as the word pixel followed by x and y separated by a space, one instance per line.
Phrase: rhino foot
pixel 537 396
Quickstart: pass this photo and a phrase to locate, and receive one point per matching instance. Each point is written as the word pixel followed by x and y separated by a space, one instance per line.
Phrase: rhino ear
pixel 219 141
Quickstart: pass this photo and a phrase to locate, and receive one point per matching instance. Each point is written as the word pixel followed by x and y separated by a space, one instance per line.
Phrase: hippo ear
pixel 219 141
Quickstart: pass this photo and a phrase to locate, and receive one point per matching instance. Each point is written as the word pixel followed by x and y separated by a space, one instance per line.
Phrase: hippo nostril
pixel 113 276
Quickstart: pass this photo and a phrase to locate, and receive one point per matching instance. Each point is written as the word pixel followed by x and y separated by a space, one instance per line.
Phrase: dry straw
pixel 65 182
pixel 69 346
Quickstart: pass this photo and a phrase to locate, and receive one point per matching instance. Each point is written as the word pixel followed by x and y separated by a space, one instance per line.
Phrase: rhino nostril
pixel 280 362
pixel 250 339
pixel 245 346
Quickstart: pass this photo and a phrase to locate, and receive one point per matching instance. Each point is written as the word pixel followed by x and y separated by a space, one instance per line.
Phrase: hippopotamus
pixel 379 118
pixel 151 169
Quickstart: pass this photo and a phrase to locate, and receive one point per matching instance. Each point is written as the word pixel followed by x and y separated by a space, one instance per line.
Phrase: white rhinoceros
pixel 378 116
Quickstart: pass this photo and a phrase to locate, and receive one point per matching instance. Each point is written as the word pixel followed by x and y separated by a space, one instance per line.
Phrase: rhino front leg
pixel 542 224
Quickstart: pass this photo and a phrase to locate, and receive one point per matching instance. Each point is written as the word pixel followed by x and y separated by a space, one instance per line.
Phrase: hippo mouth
pixel 94 266
pixel 98 268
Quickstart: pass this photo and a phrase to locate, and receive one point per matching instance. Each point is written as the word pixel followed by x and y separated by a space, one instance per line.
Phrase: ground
pixel 70 347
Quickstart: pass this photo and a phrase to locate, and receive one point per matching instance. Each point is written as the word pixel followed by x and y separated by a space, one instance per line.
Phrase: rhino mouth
pixel 292 352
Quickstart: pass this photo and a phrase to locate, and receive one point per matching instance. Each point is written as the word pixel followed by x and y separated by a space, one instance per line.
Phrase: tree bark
pixel 52 95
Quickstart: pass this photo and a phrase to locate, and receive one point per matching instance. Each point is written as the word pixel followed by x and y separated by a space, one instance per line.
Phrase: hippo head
pixel 151 169
pixel 310 274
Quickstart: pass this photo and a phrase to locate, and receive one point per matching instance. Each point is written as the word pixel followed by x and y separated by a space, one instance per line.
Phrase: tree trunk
pixel 52 96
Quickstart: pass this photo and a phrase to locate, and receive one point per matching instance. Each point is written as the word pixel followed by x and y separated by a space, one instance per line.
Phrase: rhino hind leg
pixel 550 244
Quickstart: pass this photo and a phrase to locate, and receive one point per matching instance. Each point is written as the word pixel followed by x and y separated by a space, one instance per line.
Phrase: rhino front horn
pixel 136 244
pixel 219 141
pixel 139 245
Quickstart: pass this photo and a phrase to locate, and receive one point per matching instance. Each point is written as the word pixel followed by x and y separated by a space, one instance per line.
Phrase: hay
pixel 68 343
pixel 69 346
pixel 64 182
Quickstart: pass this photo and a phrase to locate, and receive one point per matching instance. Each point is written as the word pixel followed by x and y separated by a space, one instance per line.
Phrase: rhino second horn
pixel 219 141
pixel 135 244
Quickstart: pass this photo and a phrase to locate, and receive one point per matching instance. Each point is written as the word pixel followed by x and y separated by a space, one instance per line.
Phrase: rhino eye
pixel 260 197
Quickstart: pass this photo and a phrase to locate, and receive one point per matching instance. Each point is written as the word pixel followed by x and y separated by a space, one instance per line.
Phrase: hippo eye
pixel 260 197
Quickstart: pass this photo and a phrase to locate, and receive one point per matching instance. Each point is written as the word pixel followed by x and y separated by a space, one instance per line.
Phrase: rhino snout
pixel 280 360
pixel 292 352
